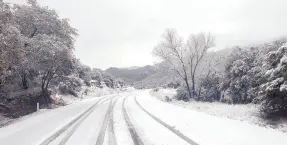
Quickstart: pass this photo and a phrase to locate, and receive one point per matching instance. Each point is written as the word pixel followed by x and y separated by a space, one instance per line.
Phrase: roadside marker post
pixel 38 108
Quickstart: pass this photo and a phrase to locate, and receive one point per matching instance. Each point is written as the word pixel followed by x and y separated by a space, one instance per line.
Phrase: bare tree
pixel 172 50
pixel 184 58
pixel 197 46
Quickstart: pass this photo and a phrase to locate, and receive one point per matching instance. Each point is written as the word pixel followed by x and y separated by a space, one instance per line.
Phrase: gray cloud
pixel 123 33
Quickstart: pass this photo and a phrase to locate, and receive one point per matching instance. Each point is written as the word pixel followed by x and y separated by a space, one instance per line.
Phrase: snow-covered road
pixel 133 118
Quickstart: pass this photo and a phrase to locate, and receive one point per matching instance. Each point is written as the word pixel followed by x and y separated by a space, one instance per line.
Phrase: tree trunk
pixel 45 92
pixel 24 81
pixel 188 88
pixel 199 92
pixel 45 84
pixel 193 86
pixel 46 96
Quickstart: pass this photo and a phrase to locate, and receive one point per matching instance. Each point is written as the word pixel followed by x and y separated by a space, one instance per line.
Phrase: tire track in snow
pixel 111 130
pixel 133 133
pixel 71 132
pixel 100 139
pixel 70 123
pixel 178 133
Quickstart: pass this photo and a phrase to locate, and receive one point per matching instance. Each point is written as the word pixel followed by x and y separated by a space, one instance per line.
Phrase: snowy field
pixel 247 113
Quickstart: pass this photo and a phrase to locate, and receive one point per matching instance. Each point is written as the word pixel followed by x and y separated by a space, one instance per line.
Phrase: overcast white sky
pixel 122 33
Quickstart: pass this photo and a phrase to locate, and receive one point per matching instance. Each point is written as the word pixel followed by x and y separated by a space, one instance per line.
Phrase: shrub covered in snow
pixel 71 85
pixel 275 89
pixel 165 95
pixel 182 94
pixel 209 89
pixel 173 85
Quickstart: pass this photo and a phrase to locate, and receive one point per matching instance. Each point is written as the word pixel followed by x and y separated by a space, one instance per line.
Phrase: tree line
pixel 250 75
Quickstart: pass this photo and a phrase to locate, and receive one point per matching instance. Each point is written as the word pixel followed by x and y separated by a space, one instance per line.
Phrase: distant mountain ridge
pixel 132 74
pixel 132 67
pixel 159 74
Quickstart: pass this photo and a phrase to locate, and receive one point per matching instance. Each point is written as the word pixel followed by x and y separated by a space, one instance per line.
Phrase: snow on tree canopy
pixel 275 89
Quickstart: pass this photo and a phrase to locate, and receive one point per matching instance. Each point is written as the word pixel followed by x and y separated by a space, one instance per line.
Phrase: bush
pixel 210 88
pixel 274 107
pixel 167 99
pixel 72 92
pixel 227 97
pixel 173 85
pixel 88 83
pixel 65 89
pixel 86 91
pixel 210 95
pixel 156 89
pixel 182 94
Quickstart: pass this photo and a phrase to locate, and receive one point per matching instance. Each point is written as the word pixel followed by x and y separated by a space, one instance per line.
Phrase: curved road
pixel 128 118
pixel 110 120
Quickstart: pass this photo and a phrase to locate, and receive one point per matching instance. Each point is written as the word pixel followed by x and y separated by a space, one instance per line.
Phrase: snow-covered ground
pixel 207 129
pixel 134 118
pixel 248 113
pixel 32 128
pixel 149 130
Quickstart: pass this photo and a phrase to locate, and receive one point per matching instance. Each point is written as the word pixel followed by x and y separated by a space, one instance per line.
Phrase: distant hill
pixel 160 75
pixel 133 74
pixel 133 67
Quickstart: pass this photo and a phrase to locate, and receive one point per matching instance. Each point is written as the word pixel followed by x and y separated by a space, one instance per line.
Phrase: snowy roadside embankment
pixel 4 120
pixel 93 92
pixel 243 112
pixel 206 129
pixel 86 92
pixel 163 94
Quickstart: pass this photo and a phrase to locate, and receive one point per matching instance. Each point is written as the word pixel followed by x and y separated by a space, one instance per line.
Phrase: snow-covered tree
pixel 52 58
pixel 245 73
pixel 275 89
pixel 242 76
pixel 11 43
pixel 172 50
pixel 39 40
pixel 34 20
